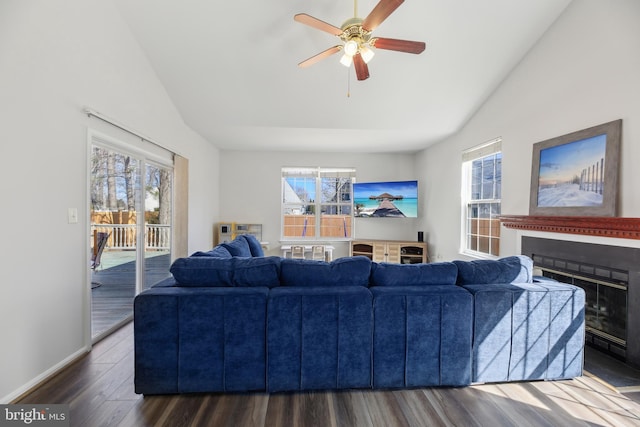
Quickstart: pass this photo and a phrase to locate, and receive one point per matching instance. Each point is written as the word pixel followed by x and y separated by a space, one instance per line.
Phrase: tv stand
pixel 393 251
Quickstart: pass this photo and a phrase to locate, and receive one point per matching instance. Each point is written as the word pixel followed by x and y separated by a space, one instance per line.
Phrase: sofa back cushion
pixel 348 271
pixel 258 271
pixel 439 273
pixel 204 271
pixel 254 245
pixel 513 269
pixel 238 247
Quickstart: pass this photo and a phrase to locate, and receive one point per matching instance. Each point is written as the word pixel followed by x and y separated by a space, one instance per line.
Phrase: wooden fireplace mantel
pixel 617 227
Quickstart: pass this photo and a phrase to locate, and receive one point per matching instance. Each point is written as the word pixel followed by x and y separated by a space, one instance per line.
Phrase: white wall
pixel 251 190
pixel 583 72
pixel 56 58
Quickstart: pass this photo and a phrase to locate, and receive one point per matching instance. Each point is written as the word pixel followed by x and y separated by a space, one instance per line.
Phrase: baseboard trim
pixel 102 335
pixel 38 381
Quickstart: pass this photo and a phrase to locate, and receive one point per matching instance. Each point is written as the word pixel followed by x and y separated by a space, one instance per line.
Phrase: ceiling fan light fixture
pixel 351 47
pixel 367 54
pixel 346 60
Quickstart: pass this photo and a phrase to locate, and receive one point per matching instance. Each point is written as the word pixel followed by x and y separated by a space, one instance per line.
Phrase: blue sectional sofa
pixel 233 320
pixel 525 328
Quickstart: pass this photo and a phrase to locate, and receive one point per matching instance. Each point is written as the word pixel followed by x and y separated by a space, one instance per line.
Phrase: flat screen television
pixel 393 199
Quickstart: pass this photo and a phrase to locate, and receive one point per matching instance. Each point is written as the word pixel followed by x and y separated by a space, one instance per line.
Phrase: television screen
pixel 396 199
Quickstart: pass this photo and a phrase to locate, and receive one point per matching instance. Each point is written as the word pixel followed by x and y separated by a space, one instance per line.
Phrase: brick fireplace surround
pixel 609 273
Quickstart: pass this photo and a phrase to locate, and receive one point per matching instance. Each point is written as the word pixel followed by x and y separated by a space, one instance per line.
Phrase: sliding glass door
pixel 130 235
pixel 157 225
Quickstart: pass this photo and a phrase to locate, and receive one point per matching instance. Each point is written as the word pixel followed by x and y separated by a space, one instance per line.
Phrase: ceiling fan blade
pixel 309 20
pixel 399 45
pixel 379 13
pixel 362 70
pixel 310 61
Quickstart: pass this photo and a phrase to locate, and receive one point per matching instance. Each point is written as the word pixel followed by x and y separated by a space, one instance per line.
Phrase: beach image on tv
pixel 572 174
pixel 397 199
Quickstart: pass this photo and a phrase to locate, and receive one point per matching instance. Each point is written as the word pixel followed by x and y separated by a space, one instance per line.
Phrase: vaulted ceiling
pixel 230 68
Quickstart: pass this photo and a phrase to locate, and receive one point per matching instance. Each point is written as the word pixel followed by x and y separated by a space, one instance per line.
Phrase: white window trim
pixel 482 150
pixel 317 173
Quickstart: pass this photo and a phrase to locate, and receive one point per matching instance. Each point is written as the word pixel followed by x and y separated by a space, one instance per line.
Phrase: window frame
pixel 314 206
pixel 492 230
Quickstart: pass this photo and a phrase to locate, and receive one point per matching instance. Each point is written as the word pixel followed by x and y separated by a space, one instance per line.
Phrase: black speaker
pixel 420 236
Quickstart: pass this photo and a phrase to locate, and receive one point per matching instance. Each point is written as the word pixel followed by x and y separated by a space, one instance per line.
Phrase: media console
pixel 393 251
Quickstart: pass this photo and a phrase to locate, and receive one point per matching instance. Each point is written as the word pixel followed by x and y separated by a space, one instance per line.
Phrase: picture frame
pixel 577 174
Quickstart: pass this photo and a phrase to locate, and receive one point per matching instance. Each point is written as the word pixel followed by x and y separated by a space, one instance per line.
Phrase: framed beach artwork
pixel 577 174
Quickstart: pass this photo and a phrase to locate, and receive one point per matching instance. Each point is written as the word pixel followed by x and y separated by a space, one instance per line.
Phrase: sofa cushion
pixel 254 245
pixel 513 269
pixel 203 271
pixel 260 271
pixel 319 338
pixel 218 251
pixel 527 331
pixel 422 336
pixel 206 271
pixel 348 271
pixel 238 247
pixel 440 273
pixel 200 340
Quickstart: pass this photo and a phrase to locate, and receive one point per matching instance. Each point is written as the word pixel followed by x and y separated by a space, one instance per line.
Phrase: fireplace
pixel 610 276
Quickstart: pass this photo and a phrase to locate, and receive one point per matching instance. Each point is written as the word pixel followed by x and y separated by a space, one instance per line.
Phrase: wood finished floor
pixel 113 287
pixel 99 390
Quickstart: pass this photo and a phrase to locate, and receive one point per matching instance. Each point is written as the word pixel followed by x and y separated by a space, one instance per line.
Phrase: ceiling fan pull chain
pixel 349 82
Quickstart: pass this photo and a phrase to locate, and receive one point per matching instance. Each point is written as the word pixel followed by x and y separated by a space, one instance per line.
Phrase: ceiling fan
pixel 355 34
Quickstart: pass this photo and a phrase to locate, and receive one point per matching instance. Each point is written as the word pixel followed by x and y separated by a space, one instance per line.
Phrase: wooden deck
pixel 112 300
pixel 99 390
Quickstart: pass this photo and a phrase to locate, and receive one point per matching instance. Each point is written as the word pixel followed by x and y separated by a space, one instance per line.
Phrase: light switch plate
pixel 72 213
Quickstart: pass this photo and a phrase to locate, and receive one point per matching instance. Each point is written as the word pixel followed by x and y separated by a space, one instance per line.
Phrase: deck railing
pixel 123 236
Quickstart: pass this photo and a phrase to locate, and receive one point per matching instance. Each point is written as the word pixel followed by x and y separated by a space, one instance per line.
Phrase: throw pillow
pixel 218 251
pixel 238 247
pixel 254 245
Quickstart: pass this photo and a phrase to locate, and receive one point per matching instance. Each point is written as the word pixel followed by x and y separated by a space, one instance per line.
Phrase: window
pixel 482 182
pixel 317 203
